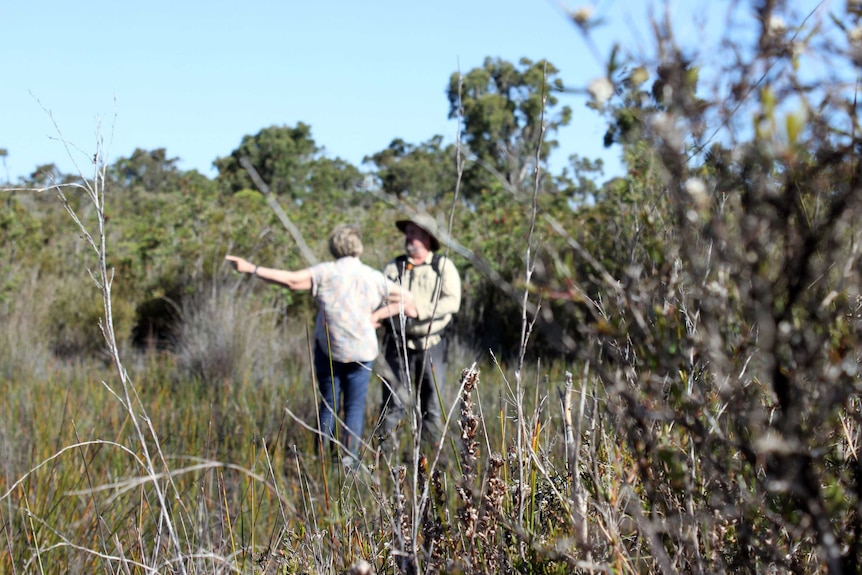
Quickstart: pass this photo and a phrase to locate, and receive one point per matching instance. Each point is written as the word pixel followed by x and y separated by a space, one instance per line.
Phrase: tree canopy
pixel 509 114
pixel 291 163
pixel 416 172
pixel 150 170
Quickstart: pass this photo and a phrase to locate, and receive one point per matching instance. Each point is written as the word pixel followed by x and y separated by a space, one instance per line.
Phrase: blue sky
pixel 194 77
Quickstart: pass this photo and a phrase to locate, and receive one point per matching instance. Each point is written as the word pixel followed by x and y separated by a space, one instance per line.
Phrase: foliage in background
pixel 426 171
pixel 695 407
pixel 292 164
pixel 509 119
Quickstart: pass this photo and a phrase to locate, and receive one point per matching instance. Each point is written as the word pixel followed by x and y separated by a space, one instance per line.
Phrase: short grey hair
pixel 346 240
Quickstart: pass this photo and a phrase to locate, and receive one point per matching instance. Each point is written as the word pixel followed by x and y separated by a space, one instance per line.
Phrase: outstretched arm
pixel 295 280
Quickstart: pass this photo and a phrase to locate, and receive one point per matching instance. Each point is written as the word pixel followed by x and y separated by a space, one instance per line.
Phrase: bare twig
pixel 276 207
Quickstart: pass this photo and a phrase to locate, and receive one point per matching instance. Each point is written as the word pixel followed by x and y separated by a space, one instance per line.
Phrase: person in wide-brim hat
pixel 424 222
pixel 415 349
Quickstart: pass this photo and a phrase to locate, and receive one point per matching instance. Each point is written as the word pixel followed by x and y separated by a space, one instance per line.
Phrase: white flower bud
pixel 665 127
pixel 696 190
pixel 582 15
pixel 775 26
pixel 601 90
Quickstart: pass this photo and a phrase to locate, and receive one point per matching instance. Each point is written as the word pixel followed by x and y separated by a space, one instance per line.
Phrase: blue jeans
pixel 335 380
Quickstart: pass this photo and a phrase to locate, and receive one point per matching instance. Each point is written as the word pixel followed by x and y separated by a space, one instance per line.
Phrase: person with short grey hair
pixel 352 297
pixel 345 241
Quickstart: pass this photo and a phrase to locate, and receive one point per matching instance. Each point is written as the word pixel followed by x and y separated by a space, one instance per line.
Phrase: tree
pixel 151 170
pixel 422 173
pixel 44 175
pixel 3 154
pixel 290 162
pixel 502 108
pixel 334 181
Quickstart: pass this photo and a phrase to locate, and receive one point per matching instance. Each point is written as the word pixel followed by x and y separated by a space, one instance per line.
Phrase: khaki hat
pixel 425 223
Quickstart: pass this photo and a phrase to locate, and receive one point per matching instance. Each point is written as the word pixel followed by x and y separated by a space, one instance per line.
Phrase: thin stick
pixel 273 203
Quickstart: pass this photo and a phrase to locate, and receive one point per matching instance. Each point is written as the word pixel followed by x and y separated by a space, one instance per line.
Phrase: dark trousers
pixel 419 379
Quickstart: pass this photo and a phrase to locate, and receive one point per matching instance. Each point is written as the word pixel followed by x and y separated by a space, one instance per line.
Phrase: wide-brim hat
pixel 424 222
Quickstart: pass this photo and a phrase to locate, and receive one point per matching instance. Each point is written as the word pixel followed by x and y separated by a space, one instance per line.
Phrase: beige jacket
pixel 422 281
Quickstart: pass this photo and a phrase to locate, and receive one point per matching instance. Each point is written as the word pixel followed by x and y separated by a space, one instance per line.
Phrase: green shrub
pixel 75 313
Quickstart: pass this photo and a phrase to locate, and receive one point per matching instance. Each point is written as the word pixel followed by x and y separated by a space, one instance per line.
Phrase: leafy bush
pixel 75 316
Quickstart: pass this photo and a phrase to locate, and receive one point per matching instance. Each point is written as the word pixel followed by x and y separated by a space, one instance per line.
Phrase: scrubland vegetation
pixel 658 373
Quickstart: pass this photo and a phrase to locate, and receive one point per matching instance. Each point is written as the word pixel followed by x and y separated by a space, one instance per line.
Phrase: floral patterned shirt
pixel 347 293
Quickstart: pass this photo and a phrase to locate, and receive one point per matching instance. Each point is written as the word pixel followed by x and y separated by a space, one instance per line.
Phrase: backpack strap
pixel 435 263
pixel 402 260
pixel 401 265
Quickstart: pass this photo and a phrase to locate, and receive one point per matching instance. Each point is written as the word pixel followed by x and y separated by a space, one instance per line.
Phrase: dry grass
pixel 553 478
